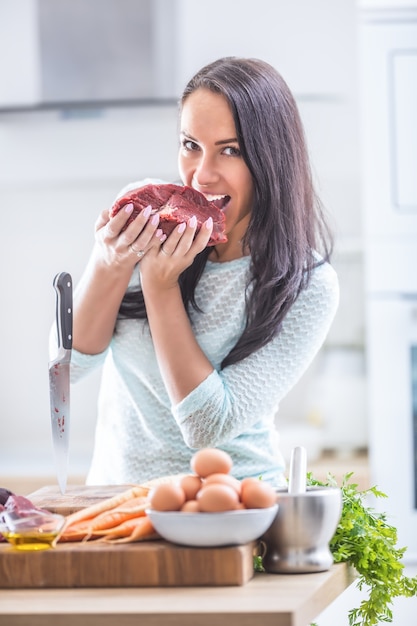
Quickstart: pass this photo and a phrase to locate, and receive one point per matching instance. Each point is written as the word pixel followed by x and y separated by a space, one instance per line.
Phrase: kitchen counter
pixel 267 599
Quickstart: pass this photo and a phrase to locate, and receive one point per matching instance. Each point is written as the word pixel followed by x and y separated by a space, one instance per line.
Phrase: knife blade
pixel 59 377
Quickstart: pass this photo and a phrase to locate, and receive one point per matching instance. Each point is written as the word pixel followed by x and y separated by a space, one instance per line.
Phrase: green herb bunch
pixel 366 541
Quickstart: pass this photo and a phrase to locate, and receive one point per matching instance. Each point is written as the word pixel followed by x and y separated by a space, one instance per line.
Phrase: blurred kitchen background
pixel 88 103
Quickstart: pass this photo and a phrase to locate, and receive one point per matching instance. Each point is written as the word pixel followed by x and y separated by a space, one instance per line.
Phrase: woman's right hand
pixel 106 278
pixel 121 245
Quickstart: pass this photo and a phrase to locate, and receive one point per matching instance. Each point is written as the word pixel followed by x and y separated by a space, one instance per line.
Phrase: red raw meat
pixel 16 506
pixel 21 506
pixel 175 204
pixel 4 495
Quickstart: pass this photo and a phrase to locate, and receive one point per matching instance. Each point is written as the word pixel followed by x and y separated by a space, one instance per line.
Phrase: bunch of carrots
pixel 119 519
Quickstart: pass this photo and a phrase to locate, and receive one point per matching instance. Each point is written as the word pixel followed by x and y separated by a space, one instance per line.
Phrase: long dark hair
pixel 287 224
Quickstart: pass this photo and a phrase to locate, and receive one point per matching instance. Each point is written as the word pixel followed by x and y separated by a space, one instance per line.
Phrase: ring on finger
pixel 164 251
pixel 139 253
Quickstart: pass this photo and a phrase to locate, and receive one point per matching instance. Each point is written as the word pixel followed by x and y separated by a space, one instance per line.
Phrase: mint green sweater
pixel 140 435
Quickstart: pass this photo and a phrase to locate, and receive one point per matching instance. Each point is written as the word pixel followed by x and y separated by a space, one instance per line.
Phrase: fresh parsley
pixel 365 540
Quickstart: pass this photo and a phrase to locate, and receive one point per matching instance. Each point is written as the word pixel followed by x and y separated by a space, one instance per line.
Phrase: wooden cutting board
pixel 146 564
pixel 75 498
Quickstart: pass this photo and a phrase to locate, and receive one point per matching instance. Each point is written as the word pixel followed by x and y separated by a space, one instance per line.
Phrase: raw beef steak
pixel 176 204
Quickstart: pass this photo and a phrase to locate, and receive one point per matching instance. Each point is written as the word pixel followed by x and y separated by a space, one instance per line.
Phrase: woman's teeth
pixel 219 200
pixel 210 197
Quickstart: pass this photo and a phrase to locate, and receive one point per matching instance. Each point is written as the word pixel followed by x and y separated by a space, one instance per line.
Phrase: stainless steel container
pixel 298 539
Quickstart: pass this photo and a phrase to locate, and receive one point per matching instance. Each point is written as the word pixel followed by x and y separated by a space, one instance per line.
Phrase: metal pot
pixel 298 539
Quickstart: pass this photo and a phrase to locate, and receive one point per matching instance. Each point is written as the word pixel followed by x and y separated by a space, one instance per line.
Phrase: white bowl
pixel 212 529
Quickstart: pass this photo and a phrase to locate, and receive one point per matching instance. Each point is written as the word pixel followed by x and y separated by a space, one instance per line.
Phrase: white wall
pixel 56 176
pixel 59 170
pixel 19 48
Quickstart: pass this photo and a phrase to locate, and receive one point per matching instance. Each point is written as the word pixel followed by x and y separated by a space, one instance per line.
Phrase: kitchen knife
pixel 59 377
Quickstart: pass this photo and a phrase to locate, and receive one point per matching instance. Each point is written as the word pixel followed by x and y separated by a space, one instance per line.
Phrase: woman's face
pixel 210 160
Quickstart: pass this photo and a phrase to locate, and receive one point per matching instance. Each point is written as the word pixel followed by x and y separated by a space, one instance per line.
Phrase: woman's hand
pixel 106 278
pixel 163 264
pixel 182 363
pixel 125 247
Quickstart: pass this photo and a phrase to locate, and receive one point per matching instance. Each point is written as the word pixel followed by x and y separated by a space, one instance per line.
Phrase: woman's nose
pixel 206 171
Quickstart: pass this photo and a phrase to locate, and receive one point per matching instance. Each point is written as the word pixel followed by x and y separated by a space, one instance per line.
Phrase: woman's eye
pixel 231 151
pixel 189 145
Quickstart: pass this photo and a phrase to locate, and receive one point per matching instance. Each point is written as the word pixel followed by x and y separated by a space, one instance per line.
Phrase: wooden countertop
pixel 268 599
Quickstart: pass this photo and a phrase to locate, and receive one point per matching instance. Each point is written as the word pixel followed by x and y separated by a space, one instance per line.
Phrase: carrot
pixel 132 508
pixel 90 529
pixel 79 533
pixel 94 510
pixel 136 529
pixel 133 529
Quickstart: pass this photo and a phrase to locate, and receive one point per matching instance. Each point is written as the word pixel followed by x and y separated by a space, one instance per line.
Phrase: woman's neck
pixel 233 248
pixel 224 252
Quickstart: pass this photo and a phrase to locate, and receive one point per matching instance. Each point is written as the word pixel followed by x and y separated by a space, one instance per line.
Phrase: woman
pixel 200 344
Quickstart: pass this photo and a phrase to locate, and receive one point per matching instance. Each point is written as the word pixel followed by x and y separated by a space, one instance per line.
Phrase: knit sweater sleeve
pixel 231 401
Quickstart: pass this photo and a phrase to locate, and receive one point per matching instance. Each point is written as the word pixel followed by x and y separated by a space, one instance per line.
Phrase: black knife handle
pixel 63 287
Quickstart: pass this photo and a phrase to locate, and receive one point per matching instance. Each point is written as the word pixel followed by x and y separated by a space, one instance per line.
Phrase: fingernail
pixel 155 219
pixel 162 239
pixel 147 211
pixel 192 222
pixel 182 227
pixel 209 223
pixel 129 207
pixel 158 233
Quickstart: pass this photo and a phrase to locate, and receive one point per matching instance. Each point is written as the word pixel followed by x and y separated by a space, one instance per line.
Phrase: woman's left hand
pixel 162 265
pixel 182 362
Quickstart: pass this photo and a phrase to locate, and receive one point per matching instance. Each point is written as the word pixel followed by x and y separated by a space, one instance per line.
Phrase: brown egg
pixel 167 497
pixel 211 461
pixel 255 494
pixel 191 485
pixel 224 479
pixel 216 497
pixel 191 506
